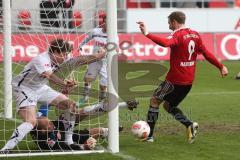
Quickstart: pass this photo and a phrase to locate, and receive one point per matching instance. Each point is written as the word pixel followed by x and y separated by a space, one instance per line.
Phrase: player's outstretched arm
pixel 75 62
pixel 58 81
pixel 213 60
pixel 101 53
pixel 165 42
pixel 66 68
pixel 85 41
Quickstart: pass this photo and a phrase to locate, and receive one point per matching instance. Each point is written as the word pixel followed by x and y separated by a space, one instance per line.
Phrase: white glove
pixel 90 143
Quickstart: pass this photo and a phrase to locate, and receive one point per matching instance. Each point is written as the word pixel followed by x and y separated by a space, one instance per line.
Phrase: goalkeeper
pixel 49 135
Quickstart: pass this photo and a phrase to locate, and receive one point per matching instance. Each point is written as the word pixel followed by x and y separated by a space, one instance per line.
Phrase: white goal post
pixel 7 59
pixel 113 115
pixel 113 124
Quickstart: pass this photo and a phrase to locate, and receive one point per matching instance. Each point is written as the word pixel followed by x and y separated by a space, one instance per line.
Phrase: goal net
pixel 34 25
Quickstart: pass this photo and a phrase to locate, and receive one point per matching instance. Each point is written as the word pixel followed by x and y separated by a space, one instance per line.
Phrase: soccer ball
pixel 140 129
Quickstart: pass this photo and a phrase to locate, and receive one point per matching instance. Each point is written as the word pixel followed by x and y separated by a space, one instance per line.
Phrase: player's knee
pixel 154 102
pixel 33 121
pixel 103 88
pixel 88 80
pixel 171 109
pixel 167 106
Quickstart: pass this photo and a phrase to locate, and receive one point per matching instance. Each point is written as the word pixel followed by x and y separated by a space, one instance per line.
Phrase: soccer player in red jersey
pixel 185 45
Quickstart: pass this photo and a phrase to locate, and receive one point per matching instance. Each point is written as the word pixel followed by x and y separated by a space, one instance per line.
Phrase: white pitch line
pixel 125 156
pixel 215 93
pixel 208 93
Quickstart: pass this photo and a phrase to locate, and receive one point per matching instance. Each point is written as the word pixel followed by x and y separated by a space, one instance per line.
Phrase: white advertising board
pixel 203 20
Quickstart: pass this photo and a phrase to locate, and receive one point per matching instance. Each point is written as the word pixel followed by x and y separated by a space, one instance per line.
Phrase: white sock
pixel 101 108
pixel 122 105
pixel 102 95
pixel 104 132
pixel 87 89
pixel 96 109
pixel 19 133
pixel 69 121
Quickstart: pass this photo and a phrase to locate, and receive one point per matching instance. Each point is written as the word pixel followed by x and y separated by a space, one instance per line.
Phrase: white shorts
pixel 26 96
pixel 95 69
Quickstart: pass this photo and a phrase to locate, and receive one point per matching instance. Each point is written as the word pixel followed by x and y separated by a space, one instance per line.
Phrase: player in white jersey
pixel 99 36
pixel 31 87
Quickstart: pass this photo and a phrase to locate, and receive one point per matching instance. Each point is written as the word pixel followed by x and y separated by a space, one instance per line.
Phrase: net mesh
pixel 34 26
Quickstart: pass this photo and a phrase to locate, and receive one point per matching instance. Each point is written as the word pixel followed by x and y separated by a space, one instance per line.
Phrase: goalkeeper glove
pixel 90 143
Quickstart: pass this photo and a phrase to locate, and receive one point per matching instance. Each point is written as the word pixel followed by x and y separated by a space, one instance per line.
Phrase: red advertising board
pixel 134 46
pixel 228 46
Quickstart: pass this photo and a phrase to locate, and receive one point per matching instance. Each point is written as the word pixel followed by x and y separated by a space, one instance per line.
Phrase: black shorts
pixel 172 93
pixel 80 136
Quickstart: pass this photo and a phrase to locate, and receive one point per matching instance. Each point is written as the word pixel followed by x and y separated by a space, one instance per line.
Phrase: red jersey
pixel 185 45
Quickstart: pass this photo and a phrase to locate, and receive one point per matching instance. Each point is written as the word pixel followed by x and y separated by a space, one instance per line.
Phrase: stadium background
pixel 213 102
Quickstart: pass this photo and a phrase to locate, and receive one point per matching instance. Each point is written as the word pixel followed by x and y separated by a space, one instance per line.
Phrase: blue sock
pixel 44 109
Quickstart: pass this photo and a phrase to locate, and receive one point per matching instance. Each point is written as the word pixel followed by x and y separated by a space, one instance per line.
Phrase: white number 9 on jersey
pixel 191 47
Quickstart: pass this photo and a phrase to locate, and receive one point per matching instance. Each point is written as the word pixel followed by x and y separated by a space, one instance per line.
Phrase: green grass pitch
pixel 213 102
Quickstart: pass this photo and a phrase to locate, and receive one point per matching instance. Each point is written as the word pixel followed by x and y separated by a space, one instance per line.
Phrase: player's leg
pixel 69 107
pixel 172 100
pixel 28 115
pixel 99 109
pixel 26 101
pixel 238 76
pixel 152 116
pixel 153 112
pixel 91 112
pixel 89 77
pixel 62 102
pixel 102 93
pixel 103 81
pixel 87 89
pixel 130 104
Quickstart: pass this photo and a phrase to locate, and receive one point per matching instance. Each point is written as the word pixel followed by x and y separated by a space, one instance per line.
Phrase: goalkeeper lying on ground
pixel 49 135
